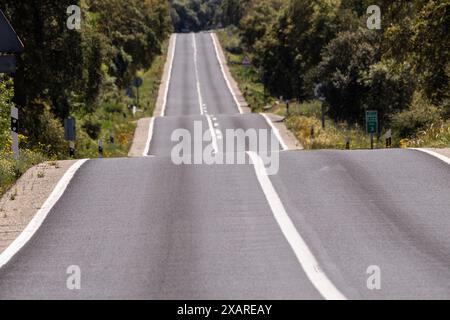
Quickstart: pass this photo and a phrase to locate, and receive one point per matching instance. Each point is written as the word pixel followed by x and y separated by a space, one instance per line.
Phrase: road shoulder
pixel 445 152
pixel 141 135
pixel 234 85
pixel 163 88
pixel 20 204
pixel 140 138
pixel 286 135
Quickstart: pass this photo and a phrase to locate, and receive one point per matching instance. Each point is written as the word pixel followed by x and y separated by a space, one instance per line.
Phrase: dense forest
pixel 81 73
pixel 402 69
pixel 63 70
pixel 196 15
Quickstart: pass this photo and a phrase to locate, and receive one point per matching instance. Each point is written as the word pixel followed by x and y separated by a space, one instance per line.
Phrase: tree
pixel 232 11
pixel 345 61
pixel 258 20
pixel 62 70
pixel 6 95
pixel 418 34
pixel 51 61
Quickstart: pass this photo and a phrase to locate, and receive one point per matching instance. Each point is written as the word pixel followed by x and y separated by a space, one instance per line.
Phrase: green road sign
pixel 372 121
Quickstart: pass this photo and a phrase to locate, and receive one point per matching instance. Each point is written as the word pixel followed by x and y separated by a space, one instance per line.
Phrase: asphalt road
pixel 149 229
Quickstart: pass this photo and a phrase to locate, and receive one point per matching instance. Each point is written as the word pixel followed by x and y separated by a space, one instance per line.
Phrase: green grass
pixel 436 136
pixel 152 80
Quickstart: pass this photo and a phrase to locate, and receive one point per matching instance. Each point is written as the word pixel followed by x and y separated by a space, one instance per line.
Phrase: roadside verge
pixel 143 132
pixel 19 205
pixel 234 87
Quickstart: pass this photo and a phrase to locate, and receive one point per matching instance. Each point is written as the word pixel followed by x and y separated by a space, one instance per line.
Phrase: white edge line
pixel 434 154
pixel 213 134
pixel 238 105
pixel 197 76
pixel 275 131
pixel 149 137
pixel 166 90
pixel 304 256
pixel 40 216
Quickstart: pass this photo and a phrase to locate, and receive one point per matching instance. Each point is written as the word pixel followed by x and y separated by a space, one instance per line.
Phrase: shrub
pixel 421 115
pixel 7 173
pixel 12 169
pixel 113 108
pixel 6 94
pixel 92 128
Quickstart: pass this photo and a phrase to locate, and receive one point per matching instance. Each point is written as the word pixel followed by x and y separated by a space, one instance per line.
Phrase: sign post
pixel 10 44
pixel 7 64
pixel 318 92
pixel 388 137
pixel 15 131
pixel 246 62
pixel 371 125
pixel 70 134
pixel 137 82
pixel 100 148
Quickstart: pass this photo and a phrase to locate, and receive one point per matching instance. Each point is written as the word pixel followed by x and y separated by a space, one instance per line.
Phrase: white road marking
pixel 213 134
pixel 304 255
pixel 219 134
pixel 199 93
pixel 434 154
pixel 149 137
pixel 40 216
pixel 276 132
pixel 167 84
pixel 238 105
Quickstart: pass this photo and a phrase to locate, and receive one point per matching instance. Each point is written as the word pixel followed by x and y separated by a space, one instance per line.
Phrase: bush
pixel 421 115
pixel 47 133
pixel 92 128
pixel 7 173
pixel 12 169
pixel 436 136
pixel 333 137
pixel 6 94
pixel 114 108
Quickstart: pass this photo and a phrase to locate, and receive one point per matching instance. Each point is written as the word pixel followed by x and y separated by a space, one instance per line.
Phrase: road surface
pixel 149 229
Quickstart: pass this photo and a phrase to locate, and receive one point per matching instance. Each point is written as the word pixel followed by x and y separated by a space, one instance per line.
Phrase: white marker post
pixel 15 131
pixel 100 148
pixel 388 137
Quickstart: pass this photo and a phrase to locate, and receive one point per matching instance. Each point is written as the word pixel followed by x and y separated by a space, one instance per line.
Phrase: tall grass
pixel 436 136
pixel 12 169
